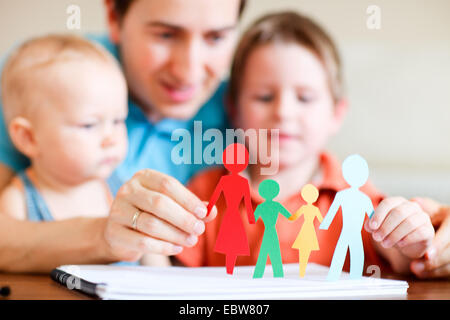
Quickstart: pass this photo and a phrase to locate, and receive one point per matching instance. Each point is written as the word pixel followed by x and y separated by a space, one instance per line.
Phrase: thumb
pixel 441 239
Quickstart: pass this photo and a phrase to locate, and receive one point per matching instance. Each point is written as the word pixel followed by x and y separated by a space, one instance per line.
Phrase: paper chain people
pixel 232 239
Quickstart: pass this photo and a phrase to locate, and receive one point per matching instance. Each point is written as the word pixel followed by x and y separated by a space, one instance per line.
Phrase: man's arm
pixel 39 247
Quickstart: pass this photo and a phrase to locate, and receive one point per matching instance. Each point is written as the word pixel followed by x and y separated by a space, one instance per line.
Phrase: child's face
pixel 81 134
pixel 285 86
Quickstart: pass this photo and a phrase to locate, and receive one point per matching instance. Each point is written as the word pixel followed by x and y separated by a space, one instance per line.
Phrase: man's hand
pixel 171 217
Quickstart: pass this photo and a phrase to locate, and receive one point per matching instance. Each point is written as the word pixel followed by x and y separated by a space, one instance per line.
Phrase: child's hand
pixel 403 224
pixel 436 263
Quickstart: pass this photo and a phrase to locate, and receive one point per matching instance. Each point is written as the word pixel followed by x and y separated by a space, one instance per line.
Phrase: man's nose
pixel 187 61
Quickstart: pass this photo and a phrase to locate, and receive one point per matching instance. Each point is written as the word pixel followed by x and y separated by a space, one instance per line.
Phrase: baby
pixel 65 105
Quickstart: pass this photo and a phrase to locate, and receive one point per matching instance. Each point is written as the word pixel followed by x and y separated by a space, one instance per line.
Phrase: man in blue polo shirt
pixel 174 54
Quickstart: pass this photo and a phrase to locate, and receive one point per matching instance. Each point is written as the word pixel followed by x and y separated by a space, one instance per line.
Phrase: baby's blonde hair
pixel 24 68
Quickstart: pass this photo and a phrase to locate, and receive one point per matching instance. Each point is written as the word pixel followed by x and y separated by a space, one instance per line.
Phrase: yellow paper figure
pixel 307 240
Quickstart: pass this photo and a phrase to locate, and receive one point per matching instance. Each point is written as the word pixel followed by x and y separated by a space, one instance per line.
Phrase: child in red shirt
pixel 286 75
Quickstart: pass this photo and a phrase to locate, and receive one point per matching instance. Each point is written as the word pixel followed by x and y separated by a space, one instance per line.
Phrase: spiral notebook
pixel 212 283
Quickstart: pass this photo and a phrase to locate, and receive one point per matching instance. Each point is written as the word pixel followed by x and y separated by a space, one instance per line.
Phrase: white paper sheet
pixel 212 283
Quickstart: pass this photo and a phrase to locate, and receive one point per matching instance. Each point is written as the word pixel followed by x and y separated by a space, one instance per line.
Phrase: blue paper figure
pixel 355 204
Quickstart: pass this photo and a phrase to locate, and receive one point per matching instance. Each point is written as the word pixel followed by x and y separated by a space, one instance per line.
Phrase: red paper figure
pixel 232 239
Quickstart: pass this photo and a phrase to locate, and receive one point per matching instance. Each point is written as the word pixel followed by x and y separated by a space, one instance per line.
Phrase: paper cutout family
pixel 232 239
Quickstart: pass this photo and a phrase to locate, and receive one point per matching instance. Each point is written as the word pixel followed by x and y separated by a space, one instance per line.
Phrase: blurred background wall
pixel 398 78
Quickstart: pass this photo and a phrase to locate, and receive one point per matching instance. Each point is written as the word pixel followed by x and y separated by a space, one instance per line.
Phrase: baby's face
pixel 285 87
pixel 81 134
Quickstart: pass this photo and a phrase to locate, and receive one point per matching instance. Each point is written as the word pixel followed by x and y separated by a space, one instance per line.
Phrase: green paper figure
pixel 270 247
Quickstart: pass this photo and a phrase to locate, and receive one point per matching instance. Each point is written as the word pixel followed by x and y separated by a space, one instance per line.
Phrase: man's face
pixel 175 52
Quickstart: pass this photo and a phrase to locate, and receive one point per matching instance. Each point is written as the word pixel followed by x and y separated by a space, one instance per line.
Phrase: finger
pixel 157 228
pixel 437 212
pixel 407 226
pixel 166 209
pixel 419 270
pixel 421 234
pixel 440 259
pixel 153 226
pixel 441 240
pixel 394 218
pixel 173 189
pixel 212 214
pixel 138 242
pixel 382 211
pixel 366 226
pixel 430 206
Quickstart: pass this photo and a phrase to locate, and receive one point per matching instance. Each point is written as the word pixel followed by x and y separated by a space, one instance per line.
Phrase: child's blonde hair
pixel 23 70
pixel 287 27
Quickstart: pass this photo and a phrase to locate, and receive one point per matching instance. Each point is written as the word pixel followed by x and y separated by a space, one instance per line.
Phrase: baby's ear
pixel 340 111
pixel 22 136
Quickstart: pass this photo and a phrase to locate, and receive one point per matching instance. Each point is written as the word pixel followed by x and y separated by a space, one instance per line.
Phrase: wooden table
pixel 41 287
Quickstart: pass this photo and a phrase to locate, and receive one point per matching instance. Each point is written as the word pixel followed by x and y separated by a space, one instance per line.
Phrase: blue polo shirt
pixel 150 144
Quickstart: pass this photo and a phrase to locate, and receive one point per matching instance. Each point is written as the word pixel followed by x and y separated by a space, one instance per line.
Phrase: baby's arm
pixel 402 231
pixel 12 201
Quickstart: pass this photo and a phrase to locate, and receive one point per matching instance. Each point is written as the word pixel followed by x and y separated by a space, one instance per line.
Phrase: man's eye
pixel 215 37
pixel 166 35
